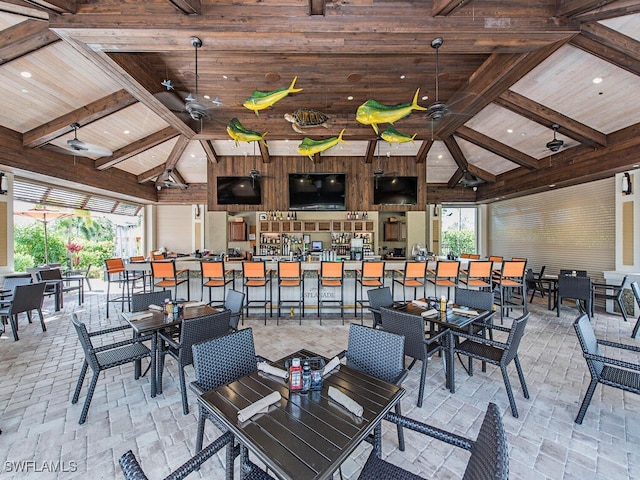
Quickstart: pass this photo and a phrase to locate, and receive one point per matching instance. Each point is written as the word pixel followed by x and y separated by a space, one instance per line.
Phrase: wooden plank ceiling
pixel 508 71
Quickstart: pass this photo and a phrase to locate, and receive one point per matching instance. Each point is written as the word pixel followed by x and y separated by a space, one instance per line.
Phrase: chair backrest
pixel 375 352
pixel 212 269
pixel 114 265
pixel 588 343
pixel 513 269
pixel 380 297
pixel 10 283
pixel 289 270
pixel 141 301
pixel 464 255
pixel 163 269
pixel 49 274
pixel 415 269
pixel 411 327
pixel 474 298
pixel 489 458
pixel 234 302
pixel 137 258
pixel 574 287
pixel 480 269
pixel 635 288
pixel 372 269
pixel 85 341
pixel 158 256
pixel 331 269
pixel 448 269
pixel 474 256
pixel 27 297
pixel 495 258
pixel 201 329
pixel 224 359
pixel 515 335
pixel 518 259
pixel 575 273
pixel 254 269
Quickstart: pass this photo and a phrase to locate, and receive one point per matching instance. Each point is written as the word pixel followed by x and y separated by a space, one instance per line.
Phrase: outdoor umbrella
pixel 43 215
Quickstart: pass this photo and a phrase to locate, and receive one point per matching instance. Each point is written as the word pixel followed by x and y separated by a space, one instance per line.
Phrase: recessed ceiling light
pixel 24 90
pixel 523 134
pixel 440 156
pixel 597 80
pixel 350 97
pixel 552 185
pixel 26 74
pixel 193 155
pixel 126 132
pixel 286 140
pixel 635 166
pixel 425 97
pixel 402 77
pixel 207 97
pixel 509 130
pixel 225 77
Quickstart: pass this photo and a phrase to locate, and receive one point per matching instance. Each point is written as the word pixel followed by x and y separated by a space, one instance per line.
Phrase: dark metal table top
pixel 303 436
pixel 159 320
pixel 448 319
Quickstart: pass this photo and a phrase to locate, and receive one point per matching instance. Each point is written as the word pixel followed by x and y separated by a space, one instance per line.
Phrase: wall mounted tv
pixel 395 190
pixel 317 191
pixel 239 191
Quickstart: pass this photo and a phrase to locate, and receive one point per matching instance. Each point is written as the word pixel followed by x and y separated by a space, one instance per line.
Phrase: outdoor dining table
pixel 551 281
pixel 303 436
pixel 450 321
pixel 153 321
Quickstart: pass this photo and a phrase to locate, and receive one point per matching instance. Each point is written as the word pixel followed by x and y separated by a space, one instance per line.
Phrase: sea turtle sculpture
pixel 306 118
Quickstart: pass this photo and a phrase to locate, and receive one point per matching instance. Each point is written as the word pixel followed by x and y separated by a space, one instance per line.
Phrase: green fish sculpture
pixel 391 135
pixel 261 100
pixel 310 147
pixel 373 112
pixel 240 134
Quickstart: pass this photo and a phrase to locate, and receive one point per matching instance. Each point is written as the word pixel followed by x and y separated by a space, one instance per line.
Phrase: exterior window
pixel 458 230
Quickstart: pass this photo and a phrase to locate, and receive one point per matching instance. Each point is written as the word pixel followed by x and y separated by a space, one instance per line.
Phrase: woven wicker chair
pixel 489 458
pixel 635 288
pixel 234 302
pixel 379 297
pixel 496 353
pixel 607 291
pixel 141 301
pixel 534 283
pixel 608 371
pixel 416 345
pixel 192 331
pixel 109 356
pixel 575 288
pixel 379 354
pixel 133 471
pixel 25 298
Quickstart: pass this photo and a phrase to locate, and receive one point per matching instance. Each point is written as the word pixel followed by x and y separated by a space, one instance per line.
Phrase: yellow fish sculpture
pixel 310 147
pixel 261 100
pixel 240 134
pixel 373 112
pixel 391 135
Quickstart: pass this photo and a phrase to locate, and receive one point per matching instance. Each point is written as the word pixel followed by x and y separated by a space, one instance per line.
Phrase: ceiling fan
pixel 81 149
pixel 470 180
pixel 555 144
pixel 167 180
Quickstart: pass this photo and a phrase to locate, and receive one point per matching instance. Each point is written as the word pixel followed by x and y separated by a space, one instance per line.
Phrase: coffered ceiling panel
pixel 440 164
pixel 484 159
pixel 628 25
pixel 148 159
pixel 8 20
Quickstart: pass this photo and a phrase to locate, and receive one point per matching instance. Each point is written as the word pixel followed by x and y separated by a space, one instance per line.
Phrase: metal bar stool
pixel 446 275
pixel 413 276
pixel 256 275
pixel 117 274
pixel 290 276
pixel 478 275
pixel 166 275
pixel 214 275
pixel 331 275
pixel 370 275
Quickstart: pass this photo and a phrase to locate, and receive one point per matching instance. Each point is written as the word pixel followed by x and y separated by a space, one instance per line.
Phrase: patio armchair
pixel 635 288
pixel 575 288
pixel 379 297
pixel 84 273
pixel 489 459
pixel 607 291
pixel 534 283
pixel 605 369
pixel 26 298
pixel 234 301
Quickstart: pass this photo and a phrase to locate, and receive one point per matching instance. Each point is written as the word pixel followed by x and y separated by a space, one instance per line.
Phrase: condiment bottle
pixel 306 376
pixel 295 375
pixel 443 304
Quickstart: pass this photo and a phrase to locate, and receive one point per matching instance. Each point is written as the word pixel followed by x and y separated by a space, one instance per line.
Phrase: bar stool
pixel 214 275
pixel 166 275
pixel 290 276
pixel 446 275
pixel 256 275
pixel 510 280
pixel 370 275
pixel 331 275
pixel 142 273
pixel 478 275
pixel 413 276
pixel 117 274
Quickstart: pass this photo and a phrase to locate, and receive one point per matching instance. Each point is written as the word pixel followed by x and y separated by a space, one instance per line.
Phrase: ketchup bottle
pixel 295 375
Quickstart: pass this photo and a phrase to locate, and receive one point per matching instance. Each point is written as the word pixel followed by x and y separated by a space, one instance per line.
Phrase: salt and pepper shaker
pixel 306 377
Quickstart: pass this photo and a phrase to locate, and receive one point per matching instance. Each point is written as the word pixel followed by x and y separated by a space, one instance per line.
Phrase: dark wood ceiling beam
pixel 211 153
pixel 55 6
pixel 22 8
pixel 568 8
pixel 546 116
pixel 176 152
pixel 447 7
pixel 151 174
pixel 455 178
pixel 135 148
pixel 264 152
pixel 195 194
pixel 609 45
pixel 494 146
pixel 612 10
pixel 177 176
pixel 91 112
pixel 482 174
pixel 371 151
pixel 458 157
pixel 188 7
pixel 24 38
pixel 421 156
pixel 495 75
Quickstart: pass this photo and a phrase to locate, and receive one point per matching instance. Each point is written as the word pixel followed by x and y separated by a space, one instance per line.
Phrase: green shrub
pixel 22 261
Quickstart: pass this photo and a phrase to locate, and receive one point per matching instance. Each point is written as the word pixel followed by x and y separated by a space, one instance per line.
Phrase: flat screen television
pixel 239 191
pixel 317 191
pixel 395 191
pixel 316 246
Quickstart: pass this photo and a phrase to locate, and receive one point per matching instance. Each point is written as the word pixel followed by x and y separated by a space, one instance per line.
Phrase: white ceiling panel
pixel 484 159
pixel 628 25
pixel 148 159
pixel 193 164
pixel 9 20
pixel 440 164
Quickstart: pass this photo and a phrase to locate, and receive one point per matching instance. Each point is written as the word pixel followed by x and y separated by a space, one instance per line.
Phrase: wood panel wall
pixel 275 187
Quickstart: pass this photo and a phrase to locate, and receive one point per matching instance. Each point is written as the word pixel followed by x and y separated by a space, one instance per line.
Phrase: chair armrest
pixel 612 361
pixel 197 388
pixel 622 346
pixel 260 358
pixel 435 338
pixel 170 341
pixel 342 354
pixel 416 426
pixel 123 343
pixel 606 286
pixel 202 456
pixel 479 339
pixel 401 377
pixel 109 330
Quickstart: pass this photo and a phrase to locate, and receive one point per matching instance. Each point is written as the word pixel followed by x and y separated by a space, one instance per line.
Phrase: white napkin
pixel 261 406
pixel 193 304
pixel 432 312
pixel 271 370
pixel 140 316
pixel 333 363
pixel 155 307
pixel 420 303
pixel 464 311
pixel 348 403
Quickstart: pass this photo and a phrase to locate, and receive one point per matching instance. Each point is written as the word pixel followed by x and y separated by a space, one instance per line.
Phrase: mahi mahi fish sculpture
pixel 373 112
pixel 261 100
pixel 391 135
pixel 240 134
pixel 310 147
